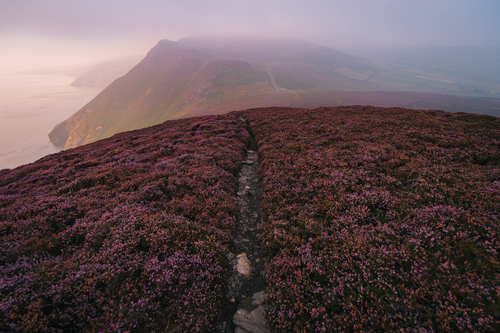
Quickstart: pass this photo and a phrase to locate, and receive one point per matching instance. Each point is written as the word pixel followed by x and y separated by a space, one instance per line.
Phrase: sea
pixel 30 107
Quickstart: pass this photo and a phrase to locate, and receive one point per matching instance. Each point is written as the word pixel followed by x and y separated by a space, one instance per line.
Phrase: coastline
pixel 30 107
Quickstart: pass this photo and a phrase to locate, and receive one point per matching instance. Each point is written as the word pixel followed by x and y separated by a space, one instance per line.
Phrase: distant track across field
pixel 271 77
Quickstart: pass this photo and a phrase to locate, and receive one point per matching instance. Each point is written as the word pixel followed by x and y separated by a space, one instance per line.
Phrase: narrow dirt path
pixel 247 281
pixel 271 77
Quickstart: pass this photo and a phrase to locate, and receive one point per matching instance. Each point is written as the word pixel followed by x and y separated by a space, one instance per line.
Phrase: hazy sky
pixel 37 33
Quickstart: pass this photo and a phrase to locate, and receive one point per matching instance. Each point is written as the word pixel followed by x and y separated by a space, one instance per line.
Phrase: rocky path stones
pixel 247 282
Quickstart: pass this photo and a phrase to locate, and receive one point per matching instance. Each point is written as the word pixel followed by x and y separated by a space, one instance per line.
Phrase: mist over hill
pixel 474 70
pixel 196 76
pixel 204 75
pixel 104 73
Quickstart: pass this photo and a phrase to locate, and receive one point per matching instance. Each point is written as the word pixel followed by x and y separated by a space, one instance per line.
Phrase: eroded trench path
pixel 246 289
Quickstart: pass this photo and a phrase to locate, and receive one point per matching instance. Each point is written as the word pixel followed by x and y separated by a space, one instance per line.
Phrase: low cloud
pixel 125 26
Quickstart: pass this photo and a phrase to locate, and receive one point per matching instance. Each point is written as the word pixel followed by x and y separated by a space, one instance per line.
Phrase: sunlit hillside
pixel 199 76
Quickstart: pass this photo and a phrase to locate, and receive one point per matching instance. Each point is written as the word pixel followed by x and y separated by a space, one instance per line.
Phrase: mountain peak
pixel 196 75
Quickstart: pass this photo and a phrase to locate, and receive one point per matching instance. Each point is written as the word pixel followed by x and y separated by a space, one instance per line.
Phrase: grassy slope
pixel 170 82
pixel 203 76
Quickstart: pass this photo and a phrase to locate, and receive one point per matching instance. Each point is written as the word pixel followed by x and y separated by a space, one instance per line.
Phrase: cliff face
pixel 97 118
pixel 171 81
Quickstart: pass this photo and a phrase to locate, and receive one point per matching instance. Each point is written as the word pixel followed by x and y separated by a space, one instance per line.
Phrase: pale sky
pixel 38 33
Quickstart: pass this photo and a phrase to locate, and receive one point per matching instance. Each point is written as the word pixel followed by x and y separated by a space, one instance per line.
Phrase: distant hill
pixel 196 76
pixel 106 72
pixel 204 75
pixel 472 70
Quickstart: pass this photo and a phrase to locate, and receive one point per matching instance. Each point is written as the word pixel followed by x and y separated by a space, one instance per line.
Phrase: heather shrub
pixel 373 220
pixel 380 219
pixel 128 234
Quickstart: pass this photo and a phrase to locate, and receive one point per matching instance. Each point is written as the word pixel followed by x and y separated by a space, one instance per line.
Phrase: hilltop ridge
pixel 198 76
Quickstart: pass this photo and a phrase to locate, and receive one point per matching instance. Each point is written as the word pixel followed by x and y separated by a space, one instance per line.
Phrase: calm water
pixel 30 107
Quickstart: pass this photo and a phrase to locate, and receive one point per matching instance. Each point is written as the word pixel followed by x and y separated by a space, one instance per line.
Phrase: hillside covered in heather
pixel 374 219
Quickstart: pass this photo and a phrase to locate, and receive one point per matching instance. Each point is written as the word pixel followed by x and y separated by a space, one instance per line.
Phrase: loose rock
pixel 243 265
pixel 252 319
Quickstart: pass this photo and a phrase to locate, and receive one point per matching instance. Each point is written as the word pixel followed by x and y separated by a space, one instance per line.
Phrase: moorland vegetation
pixel 126 234
pixel 380 219
pixel 373 220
